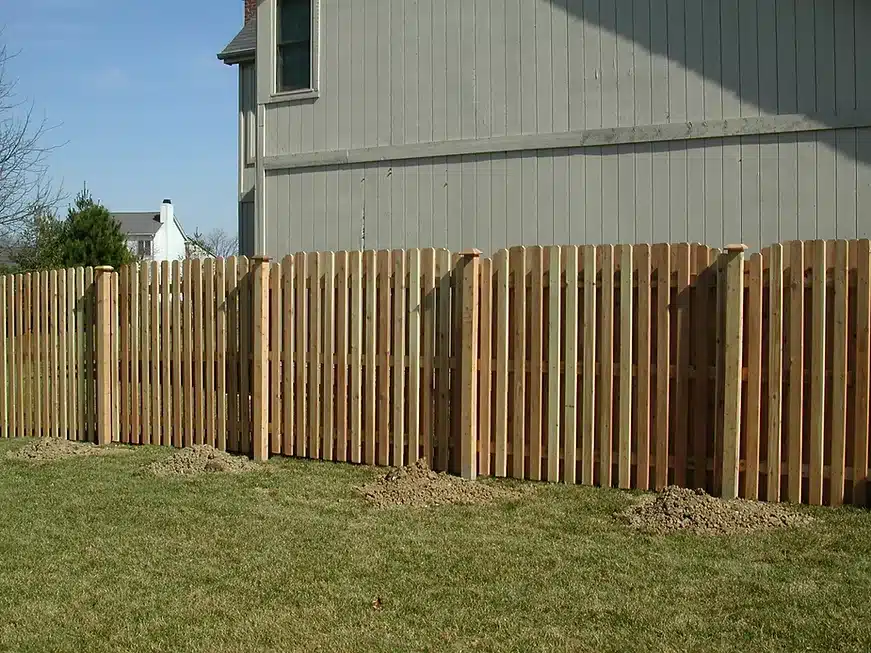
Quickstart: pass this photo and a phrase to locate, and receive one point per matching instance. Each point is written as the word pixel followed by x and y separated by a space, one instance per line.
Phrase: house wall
pixel 169 243
pixel 479 123
pixel 755 190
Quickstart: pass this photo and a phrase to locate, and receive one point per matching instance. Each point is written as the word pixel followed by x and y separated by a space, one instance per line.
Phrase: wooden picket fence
pixel 628 366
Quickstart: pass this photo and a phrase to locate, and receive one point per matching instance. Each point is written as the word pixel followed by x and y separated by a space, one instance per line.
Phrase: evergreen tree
pixel 92 236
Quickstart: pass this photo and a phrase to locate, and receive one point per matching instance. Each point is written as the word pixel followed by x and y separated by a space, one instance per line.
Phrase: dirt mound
pixel 201 458
pixel 417 485
pixel 49 449
pixel 678 509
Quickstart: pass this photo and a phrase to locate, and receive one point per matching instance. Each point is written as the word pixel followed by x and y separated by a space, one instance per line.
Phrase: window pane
pixel 294 67
pixel 294 21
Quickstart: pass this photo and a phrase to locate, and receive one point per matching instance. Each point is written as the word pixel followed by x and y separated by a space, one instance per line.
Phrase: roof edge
pixel 231 58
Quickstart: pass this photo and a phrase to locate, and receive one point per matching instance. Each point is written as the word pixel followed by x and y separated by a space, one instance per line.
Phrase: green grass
pixel 96 555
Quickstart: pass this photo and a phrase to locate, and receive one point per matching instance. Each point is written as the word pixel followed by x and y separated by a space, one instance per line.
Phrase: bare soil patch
pixel 51 449
pixel 200 459
pixel 681 510
pixel 418 486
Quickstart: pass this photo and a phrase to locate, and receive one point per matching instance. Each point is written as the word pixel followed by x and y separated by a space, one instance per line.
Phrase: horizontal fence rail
pixel 632 366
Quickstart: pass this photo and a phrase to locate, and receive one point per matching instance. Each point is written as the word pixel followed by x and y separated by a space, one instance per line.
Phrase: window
pixel 143 248
pixel 294 55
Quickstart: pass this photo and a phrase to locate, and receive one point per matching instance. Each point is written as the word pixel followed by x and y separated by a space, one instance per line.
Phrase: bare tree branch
pixel 26 192
pixel 216 243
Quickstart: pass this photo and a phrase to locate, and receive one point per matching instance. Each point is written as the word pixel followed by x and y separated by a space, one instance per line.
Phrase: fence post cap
pixel 474 252
pixel 736 249
pixel 104 268
pixel 261 258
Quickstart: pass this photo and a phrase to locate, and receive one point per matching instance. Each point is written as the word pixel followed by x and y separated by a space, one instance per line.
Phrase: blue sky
pixel 142 106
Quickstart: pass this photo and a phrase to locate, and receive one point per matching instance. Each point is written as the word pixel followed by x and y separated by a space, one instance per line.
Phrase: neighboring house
pixel 155 236
pixel 460 123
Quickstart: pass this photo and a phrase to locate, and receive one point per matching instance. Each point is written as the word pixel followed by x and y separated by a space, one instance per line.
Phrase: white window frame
pixel 300 94
pixel 248 113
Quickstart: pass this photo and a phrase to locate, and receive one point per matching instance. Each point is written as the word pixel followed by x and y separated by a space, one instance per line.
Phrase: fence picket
pixel 429 307
pixel 796 369
pixel 385 319
pixel 701 335
pixel 501 282
pixel 11 358
pixel 197 305
pixel 146 351
pixel 817 397
pixel 606 355
pixel 753 408
pixel 245 269
pixel 370 271
pixel 16 342
pixel 661 259
pixel 5 339
pixel 681 254
pixel 188 363
pixel 554 377
pixel 303 353
pixel 124 336
pixel 220 284
pixel 838 413
pixel 643 415
pixel 775 373
pixel 414 361
pixel 342 356
pixel 38 375
pixel 329 348
pixel 355 355
pixel 862 386
pixel 315 274
pixel 176 353
pixel 231 276
pixel 276 310
pixel 208 360
pixel 52 417
pixel 518 424
pixel 444 325
pixel 27 396
pixel 166 355
pixel 588 413
pixel 116 360
pixel 288 396
pixel 61 373
pixel 397 396
pixel 154 314
pixel 570 395
pixel 624 458
pixel 534 391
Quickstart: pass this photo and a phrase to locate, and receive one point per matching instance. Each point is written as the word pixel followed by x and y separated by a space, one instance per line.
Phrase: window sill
pixel 293 96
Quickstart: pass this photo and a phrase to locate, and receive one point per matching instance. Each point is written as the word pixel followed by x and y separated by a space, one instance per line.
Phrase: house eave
pixel 233 58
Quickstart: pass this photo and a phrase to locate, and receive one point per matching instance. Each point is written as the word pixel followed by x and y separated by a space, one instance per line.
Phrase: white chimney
pixel 166 212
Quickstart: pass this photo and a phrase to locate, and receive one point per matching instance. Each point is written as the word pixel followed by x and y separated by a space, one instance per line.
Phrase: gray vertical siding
pixel 756 190
pixel 408 71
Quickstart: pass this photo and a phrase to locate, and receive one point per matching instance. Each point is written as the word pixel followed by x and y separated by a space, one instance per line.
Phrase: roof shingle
pixel 243 45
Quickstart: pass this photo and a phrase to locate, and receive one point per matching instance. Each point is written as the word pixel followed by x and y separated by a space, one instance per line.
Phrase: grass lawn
pixel 96 555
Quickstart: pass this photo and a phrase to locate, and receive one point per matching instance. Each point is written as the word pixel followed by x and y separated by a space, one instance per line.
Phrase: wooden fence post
pixel 260 384
pixel 104 325
pixel 471 298
pixel 733 266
